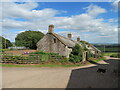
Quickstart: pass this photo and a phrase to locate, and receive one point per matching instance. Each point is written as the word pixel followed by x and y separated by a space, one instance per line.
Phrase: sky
pixel 94 22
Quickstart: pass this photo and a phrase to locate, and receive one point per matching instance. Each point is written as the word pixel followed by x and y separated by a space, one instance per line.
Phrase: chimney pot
pixel 78 39
pixel 69 35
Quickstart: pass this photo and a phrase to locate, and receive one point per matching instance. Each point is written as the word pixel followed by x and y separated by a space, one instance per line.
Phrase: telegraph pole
pixel 4 41
pixel 104 48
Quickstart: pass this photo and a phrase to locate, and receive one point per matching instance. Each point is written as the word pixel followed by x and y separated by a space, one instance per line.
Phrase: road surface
pixel 72 77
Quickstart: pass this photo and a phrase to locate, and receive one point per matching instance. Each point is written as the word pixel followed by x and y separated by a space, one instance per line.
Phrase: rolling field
pixel 110 48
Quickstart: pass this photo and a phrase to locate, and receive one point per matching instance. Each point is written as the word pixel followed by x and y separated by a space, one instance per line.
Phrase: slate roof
pixel 64 40
pixel 68 42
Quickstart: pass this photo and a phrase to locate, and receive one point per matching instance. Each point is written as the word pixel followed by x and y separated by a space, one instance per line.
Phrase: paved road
pixel 85 77
pixel 35 77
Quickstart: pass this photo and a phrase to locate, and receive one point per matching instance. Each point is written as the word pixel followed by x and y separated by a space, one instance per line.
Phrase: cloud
pixel 13 10
pixel 94 10
pixel 113 20
pixel 40 19
pixel 115 5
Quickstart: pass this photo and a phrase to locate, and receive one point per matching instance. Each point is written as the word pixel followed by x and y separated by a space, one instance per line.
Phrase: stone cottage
pixel 54 43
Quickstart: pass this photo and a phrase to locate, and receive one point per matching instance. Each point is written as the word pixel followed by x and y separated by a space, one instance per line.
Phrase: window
pixel 54 40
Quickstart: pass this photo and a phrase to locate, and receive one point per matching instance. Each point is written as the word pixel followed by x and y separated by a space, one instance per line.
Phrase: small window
pixel 54 40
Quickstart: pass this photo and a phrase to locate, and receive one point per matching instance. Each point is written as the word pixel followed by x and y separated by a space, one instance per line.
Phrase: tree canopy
pixel 4 43
pixel 28 39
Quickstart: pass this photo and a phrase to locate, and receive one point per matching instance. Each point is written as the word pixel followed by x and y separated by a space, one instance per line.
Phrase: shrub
pixel 65 60
pixel 88 55
pixel 75 58
pixel 76 54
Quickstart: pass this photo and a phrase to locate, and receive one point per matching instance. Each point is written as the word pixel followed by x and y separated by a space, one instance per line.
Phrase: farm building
pixel 54 43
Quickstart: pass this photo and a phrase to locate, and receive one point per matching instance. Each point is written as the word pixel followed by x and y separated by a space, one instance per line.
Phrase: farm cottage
pixel 54 43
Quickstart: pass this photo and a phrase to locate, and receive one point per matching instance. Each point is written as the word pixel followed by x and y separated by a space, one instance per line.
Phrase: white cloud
pixel 40 19
pixel 13 10
pixel 113 20
pixel 94 10
pixel 115 5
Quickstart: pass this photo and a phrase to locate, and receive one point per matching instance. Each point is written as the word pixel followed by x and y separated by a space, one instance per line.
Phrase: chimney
pixel 78 39
pixel 69 35
pixel 51 28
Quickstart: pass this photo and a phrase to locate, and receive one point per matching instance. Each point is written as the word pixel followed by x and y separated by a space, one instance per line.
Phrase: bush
pixel 75 58
pixel 76 54
pixel 89 55
pixel 65 60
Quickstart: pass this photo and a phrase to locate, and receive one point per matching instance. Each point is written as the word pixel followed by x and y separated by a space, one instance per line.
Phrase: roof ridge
pixel 60 38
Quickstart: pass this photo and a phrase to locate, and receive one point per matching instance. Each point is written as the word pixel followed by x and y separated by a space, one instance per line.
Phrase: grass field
pixel 109 53
pixel 108 47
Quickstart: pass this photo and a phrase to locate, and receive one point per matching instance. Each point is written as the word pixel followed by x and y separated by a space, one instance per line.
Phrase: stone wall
pixel 51 44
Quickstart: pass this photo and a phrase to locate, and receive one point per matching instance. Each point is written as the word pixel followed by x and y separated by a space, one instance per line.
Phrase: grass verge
pixel 100 59
pixel 39 65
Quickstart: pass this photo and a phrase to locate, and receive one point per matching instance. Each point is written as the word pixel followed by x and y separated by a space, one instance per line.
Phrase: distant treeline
pixel 108 47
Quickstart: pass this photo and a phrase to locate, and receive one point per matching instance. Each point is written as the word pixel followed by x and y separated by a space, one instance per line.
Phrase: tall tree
pixel 4 43
pixel 28 39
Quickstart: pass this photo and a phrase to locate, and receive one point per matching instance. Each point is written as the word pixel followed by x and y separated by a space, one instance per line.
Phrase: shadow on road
pixel 90 78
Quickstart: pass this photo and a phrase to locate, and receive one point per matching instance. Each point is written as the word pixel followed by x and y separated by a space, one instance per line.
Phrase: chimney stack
pixel 69 35
pixel 78 39
pixel 51 28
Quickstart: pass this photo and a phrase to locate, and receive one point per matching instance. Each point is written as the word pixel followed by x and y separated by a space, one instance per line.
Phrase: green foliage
pixel 117 55
pixel 77 50
pixel 84 42
pixel 39 52
pixel 3 41
pixel 44 58
pixel 89 55
pixel 28 39
pixel 43 53
pixel 75 58
pixel 65 60
pixel 76 54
